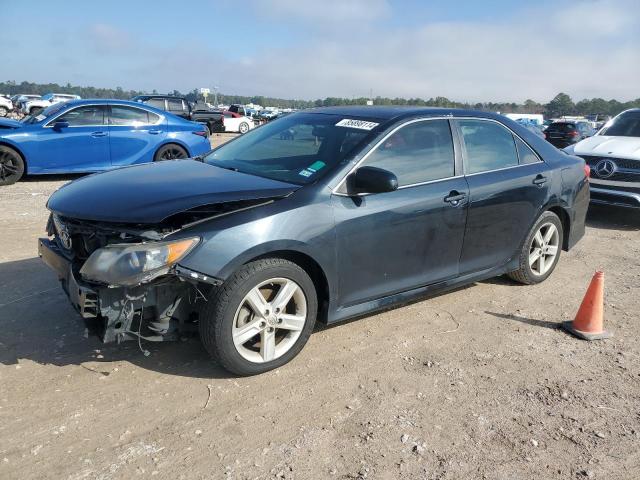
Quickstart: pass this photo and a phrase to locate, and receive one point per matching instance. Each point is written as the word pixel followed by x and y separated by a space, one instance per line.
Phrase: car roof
pixel 114 101
pixel 398 112
pixel 159 96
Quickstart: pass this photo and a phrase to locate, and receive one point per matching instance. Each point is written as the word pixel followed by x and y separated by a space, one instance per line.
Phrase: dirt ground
pixel 475 384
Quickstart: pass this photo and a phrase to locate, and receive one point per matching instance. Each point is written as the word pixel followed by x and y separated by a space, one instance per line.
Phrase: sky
pixel 466 50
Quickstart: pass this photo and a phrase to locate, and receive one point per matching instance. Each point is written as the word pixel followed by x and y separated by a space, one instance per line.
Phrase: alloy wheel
pixel 9 166
pixel 269 320
pixel 544 249
pixel 173 153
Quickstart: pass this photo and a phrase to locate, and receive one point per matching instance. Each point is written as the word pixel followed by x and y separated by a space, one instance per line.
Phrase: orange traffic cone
pixel 588 323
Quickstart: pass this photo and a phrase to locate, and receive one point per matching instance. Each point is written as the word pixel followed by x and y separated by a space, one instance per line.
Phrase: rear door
pixel 395 241
pixel 508 185
pixel 135 134
pixel 82 145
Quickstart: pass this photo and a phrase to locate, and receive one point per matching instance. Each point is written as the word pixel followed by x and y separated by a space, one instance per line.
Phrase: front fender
pixel 230 242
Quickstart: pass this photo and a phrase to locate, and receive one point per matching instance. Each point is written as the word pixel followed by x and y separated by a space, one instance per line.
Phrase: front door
pixel 395 241
pixel 81 145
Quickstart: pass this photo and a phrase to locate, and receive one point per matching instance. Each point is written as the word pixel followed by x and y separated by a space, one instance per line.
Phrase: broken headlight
pixel 133 264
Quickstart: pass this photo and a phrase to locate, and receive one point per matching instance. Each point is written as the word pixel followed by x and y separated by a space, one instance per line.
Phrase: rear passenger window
pixel 121 115
pixel 489 146
pixel 419 152
pixel 525 153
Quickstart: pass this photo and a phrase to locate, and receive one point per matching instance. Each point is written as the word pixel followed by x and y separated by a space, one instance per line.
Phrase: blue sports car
pixel 94 135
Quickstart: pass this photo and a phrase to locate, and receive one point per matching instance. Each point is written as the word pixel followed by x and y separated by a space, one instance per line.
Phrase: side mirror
pixel 372 180
pixel 57 126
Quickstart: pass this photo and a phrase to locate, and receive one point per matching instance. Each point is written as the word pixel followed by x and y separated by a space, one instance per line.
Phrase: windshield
pixel 625 125
pixel 46 113
pixel 298 148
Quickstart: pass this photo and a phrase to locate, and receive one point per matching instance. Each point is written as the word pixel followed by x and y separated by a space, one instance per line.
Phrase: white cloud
pixel 109 39
pixel 323 12
pixel 587 48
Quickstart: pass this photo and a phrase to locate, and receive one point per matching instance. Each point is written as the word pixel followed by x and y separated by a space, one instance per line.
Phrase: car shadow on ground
pixel 53 178
pixel 528 321
pixel 613 218
pixel 37 323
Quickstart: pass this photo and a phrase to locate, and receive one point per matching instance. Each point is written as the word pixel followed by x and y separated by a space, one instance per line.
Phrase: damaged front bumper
pixel 159 310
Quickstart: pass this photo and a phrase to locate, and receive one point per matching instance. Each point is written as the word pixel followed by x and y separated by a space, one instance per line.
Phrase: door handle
pixel 540 180
pixel 455 197
pixel 99 134
pixel 154 132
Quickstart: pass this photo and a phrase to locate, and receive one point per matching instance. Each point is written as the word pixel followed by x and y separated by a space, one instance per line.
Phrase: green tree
pixel 559 106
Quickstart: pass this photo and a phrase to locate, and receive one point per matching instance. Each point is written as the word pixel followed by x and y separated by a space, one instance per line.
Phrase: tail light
pixel 587 170
pixel 201 133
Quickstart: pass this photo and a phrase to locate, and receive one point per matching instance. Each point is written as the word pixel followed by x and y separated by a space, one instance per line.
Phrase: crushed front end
pixel 125 280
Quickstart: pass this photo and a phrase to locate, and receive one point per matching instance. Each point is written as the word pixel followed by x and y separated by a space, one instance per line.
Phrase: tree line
pixel 561 104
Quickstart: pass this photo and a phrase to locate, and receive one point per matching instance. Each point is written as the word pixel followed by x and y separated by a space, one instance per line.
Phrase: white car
pixel 34 107
pixel 5 106
pixel 613 154
pixel 234 122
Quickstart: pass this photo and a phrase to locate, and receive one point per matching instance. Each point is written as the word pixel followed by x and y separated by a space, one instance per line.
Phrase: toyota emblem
pixel 605 168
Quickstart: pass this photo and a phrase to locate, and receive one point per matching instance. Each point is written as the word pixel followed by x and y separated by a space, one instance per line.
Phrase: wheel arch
pixel 173 141
pixel 14 147
pixel 563 215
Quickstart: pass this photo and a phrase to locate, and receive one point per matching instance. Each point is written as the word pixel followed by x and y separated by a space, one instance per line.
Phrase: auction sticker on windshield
pixel 359 124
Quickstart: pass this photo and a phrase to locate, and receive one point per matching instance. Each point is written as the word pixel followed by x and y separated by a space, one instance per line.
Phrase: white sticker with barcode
pixel 360 124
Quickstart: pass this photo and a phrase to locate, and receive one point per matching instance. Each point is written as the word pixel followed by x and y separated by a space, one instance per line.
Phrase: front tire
pixel 35 111
pixel 541 250
pixel 244 127
pixel 170 152
pixel 11 166
pixel 4 111
pixel 260 318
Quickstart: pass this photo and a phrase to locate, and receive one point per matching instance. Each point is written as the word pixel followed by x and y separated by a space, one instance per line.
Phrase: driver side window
pixel 84 116
pixel 417 153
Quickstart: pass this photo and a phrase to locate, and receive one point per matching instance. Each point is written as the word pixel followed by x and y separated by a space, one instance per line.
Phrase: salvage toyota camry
pixel 322 215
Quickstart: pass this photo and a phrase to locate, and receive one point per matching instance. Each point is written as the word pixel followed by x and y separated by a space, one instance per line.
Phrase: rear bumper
pixel 617 198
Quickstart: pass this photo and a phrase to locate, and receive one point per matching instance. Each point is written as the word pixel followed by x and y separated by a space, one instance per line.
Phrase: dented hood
pixel 150 193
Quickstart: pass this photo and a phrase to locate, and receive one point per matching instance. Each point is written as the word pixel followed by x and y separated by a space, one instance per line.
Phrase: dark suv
pixel 563 134
pixel 200 113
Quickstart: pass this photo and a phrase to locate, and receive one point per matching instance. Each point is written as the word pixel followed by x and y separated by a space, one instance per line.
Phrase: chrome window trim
pixel 382 140
pixel 464 162
pixel 50 122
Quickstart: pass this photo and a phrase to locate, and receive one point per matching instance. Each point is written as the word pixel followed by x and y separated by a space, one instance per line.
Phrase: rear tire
pixel 35 111
pixel 541 250
pixel 170 152
pixel 237 335
pixel 11 166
